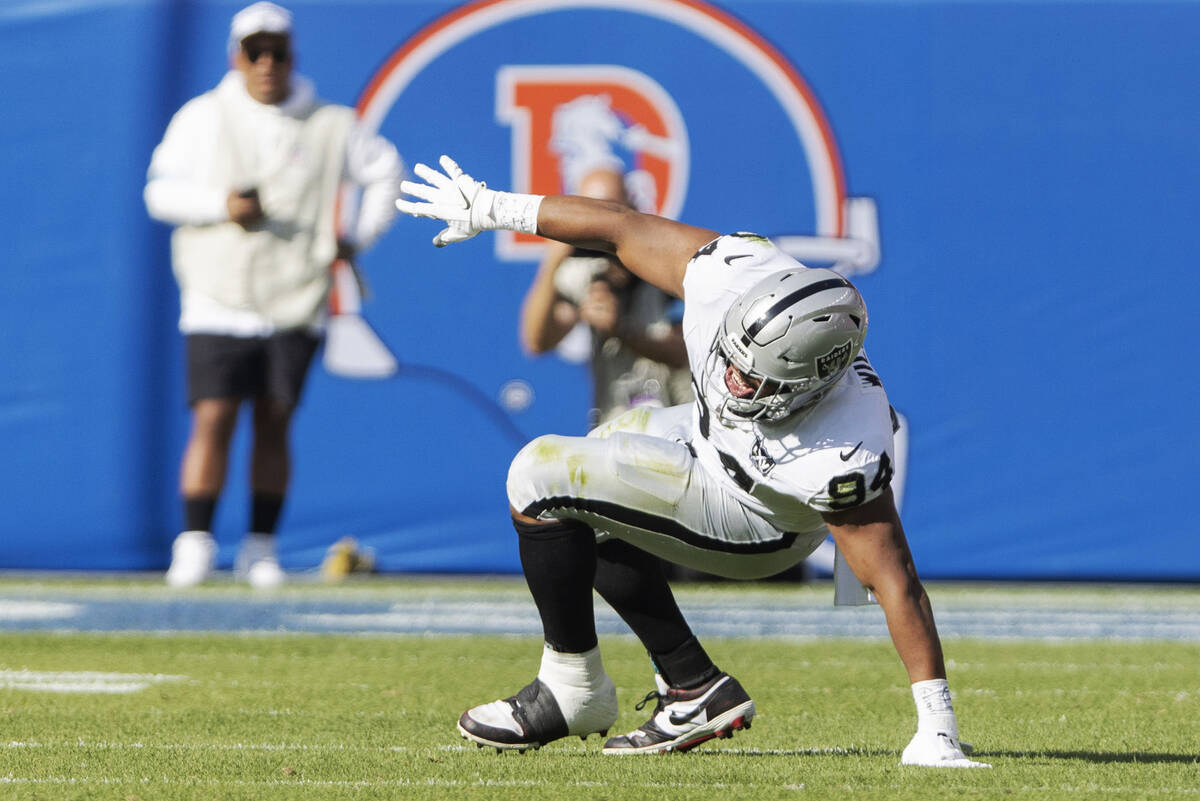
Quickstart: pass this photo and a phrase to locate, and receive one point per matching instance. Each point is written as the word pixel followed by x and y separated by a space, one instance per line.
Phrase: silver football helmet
pixel 783 344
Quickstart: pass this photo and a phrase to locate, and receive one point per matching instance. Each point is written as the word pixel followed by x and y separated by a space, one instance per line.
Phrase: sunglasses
pixel 278 54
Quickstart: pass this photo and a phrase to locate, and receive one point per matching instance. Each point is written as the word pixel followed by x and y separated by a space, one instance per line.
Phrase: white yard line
pixel 107 745
pixel 21 610
pixel 82 681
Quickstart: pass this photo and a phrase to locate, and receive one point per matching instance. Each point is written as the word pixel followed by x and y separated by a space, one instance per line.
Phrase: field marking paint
pixel 37 610
pixel 349 784
pixel 105 745
pixel 80 681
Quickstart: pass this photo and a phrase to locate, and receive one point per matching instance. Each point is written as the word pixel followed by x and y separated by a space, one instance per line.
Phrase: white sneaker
pixel 257 564
pixel 192 557
pixel 937 749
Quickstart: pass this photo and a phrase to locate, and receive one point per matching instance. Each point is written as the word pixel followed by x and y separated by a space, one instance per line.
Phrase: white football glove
pixel 467 205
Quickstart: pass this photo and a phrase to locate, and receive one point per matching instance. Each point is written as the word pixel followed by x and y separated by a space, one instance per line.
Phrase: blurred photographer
pixel 586 304
pixel 250 175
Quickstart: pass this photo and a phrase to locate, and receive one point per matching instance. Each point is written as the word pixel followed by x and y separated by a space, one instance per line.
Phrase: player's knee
pixel 536 454
pixel 214 418
pixel 529 473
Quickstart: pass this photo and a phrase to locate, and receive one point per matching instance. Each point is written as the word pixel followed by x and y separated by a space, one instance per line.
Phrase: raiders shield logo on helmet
pixel 833 362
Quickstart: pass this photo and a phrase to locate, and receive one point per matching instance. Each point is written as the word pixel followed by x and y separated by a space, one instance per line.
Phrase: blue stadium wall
pixel 1034 168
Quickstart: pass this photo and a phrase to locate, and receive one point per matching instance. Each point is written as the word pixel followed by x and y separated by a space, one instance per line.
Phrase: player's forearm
pixel 654 248
pixel 872 540
pixel 889 572
pixel 912 629
pixel 583 222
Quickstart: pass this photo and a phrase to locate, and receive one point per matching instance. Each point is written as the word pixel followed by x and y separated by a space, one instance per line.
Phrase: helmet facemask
pixel 748 395
pixel 782 345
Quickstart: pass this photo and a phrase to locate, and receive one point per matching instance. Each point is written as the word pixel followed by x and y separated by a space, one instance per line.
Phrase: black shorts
pixel 250 367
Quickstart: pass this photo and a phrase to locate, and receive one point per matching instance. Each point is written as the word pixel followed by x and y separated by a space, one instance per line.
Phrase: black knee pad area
pixel 551 530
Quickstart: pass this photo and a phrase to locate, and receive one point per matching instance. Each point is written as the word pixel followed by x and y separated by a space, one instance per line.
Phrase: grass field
pixel 339 716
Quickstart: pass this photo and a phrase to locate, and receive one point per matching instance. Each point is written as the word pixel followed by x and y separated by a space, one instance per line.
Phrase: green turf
pixel 340 717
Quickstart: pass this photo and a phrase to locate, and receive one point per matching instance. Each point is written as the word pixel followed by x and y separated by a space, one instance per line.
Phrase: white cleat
pixel 192 558
pixel 937 749
pixel 257 564
pixel 534 717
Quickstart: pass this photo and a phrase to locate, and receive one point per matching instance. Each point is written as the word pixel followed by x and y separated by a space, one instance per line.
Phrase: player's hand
pixel 938 749
pixel 244 207
pixel 453 197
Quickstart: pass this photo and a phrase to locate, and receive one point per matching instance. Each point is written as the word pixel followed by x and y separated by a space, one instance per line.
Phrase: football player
pixel 789 438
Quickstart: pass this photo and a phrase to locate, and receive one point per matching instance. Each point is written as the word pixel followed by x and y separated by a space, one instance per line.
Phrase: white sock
pixel 584 692
pixel 935 710
pixel 583 671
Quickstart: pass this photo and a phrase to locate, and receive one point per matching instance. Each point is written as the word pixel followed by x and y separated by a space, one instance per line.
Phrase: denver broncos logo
pixel 557 111
pixel 686 84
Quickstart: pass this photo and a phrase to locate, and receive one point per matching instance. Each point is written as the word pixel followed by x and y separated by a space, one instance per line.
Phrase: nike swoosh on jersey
pixel 729 259
pixel 854 450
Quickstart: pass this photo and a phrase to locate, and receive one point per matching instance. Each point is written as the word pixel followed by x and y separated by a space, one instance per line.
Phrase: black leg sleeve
pixel 634 584
pixel 264 512
pixel 559 561
pixel 198 511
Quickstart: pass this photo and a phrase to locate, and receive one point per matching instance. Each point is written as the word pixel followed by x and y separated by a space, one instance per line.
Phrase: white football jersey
pixel 836 456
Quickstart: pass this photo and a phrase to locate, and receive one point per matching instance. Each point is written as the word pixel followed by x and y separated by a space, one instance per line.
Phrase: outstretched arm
pixel 872 540
pixel 654 248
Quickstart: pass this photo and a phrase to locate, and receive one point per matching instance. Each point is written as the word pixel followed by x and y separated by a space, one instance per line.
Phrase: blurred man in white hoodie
pixel 250 174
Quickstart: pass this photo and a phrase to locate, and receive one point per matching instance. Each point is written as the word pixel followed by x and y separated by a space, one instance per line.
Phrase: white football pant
pixel 636 479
